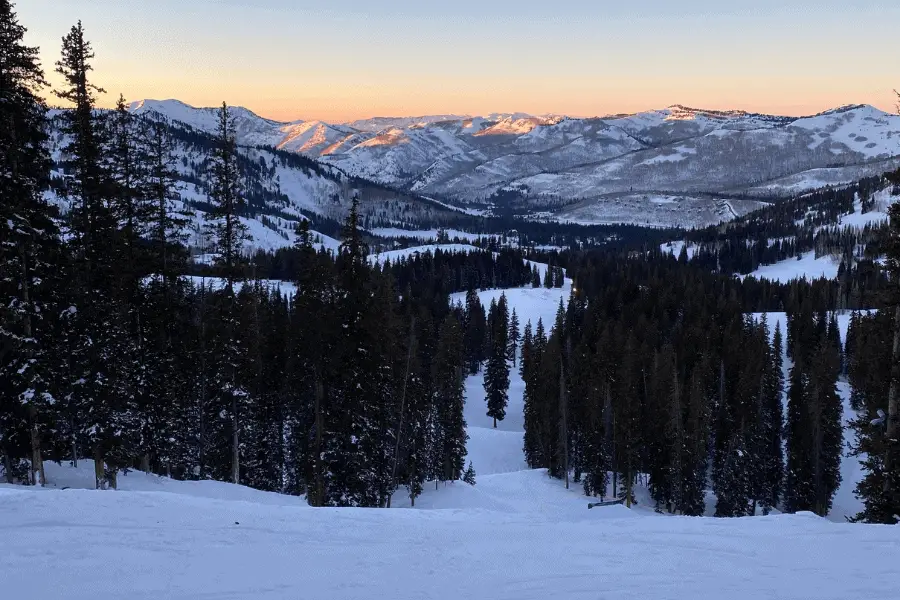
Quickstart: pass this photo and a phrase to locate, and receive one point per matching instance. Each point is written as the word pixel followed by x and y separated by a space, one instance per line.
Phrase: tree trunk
pixel 38 476
pixel 409 352
pixel 235 439
pixel 99 472
pixel 7 467
pixel 893 406
pixel 319 489
pixel 563 424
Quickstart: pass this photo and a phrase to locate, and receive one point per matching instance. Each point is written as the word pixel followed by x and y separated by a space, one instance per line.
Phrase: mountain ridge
pixel 678 166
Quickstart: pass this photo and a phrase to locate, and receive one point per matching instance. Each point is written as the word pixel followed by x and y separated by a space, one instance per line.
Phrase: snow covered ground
pixel 88 545
pixel 808 267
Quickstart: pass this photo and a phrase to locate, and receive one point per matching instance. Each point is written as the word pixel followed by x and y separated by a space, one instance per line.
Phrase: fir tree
pixel 469 476
pixel 29 255
pixel 99 393
pixel 449 400
pixel 496 375
pixel 513 345
pixel 228 236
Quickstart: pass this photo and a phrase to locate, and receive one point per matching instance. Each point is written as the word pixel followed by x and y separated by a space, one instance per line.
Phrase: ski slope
pixel 88 545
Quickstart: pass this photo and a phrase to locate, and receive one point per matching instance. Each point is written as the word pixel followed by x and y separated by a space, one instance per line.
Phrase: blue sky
pixel 340 60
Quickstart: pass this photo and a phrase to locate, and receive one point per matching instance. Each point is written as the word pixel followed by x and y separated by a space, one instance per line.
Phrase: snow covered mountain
pixel 282 186
pixel 675 166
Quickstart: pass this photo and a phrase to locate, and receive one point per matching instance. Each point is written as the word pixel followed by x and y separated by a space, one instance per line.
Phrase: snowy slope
pixel 88 545
pixel 808 267
pixel 499 451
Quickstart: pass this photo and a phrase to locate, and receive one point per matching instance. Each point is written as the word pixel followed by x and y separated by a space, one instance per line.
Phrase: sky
pixel 339 60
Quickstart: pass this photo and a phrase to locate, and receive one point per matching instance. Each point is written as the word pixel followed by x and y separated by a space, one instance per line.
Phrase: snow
pixel 808 267
pixel 864 129
pixel 87 545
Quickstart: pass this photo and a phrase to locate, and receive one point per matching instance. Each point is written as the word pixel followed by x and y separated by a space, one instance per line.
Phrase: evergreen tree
pixel 496 375
pixel 513 345
pixel 228 236
pixel 98 392
pixel 476 331
pixel 227 230
pixel 814 435
pixel 29 254
pixel 469 476
pixel 449 400
pixel 875 371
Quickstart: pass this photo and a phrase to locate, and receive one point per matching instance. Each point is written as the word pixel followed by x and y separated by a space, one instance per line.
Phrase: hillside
pixel 281 188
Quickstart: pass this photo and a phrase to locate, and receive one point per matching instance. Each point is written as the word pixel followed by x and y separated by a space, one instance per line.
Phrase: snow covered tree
pixel 449 400
pixel 29 255
pixel 513 345
pixel 496 375
pixel 469 476
pixel 98 393
pixel 227 230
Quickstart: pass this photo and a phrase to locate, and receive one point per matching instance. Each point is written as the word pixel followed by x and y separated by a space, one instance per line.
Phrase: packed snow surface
pixel 88 545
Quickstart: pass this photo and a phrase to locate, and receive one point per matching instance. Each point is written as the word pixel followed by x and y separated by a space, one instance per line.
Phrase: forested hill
pixel 829 232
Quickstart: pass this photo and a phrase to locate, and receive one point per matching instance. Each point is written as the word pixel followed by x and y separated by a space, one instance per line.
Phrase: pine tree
pixel 99 393
pixel 469 476
pixel 772 458
pixel 228 236
pixel 29 254
pixel 531 362
pixel 878 430
pixel 311 370
pixel 449 400
pixel 513 346
pixel 496 375
pixel 814 439
pixel 228 232
pixel 476 331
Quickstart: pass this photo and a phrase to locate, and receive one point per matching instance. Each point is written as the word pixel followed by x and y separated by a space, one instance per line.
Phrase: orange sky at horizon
pixel 295 60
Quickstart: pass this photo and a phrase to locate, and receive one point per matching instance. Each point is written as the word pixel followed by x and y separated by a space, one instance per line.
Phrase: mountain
pixel 677 166
pixel 281 186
